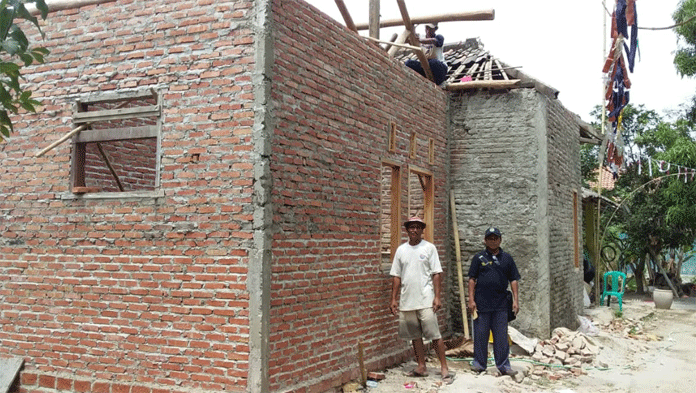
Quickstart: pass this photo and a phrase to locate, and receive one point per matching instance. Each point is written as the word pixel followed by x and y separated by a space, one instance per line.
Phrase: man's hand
pixel 515 306
pixel 472 305
pixel 394 307
pixel 436 304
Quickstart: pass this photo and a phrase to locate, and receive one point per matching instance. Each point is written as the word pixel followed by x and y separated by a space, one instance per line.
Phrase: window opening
pixel 119 151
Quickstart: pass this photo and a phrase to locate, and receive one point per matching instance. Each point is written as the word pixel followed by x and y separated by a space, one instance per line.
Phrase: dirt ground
pixel 644 350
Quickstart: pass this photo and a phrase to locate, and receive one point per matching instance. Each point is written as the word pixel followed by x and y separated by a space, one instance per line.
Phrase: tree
pixel 15 53
pixel 660 206
pixel 685 56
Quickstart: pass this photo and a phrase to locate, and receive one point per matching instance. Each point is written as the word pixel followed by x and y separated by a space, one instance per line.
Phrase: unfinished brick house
pixel 224 216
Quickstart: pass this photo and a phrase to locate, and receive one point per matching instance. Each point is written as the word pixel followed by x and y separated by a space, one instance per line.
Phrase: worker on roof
pixel 432 46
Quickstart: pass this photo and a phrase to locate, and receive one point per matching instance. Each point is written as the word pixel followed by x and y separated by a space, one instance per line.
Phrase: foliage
pixel 15 53
pixel 661 207
pixel 685 56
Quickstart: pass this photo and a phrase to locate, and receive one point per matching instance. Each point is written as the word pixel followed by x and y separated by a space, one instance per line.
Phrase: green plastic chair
pixel 616 289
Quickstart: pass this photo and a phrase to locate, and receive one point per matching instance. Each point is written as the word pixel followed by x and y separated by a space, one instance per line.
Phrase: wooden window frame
pixel 121 111
pixel 427 182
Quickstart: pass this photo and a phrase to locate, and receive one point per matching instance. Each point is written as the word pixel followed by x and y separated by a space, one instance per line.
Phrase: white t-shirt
pixel 415 265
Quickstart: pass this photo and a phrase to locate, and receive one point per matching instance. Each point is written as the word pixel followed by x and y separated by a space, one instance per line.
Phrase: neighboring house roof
pixel 605 178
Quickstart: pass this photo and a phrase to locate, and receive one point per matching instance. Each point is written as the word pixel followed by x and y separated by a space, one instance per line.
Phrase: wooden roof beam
pixel 346 15
pixel 484 84
pixel 453 17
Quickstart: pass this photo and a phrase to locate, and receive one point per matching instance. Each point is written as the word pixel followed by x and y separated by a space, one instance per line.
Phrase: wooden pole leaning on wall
pixel 452 17
pixel 460 273
pixel 71 133
pixel 62 139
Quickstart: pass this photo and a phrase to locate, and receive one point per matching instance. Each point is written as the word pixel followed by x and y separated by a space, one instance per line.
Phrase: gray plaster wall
pixel 512 167
pixel 564 187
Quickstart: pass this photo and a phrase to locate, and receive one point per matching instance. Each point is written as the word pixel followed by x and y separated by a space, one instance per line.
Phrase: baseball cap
pixel 414 219
pixel 492 231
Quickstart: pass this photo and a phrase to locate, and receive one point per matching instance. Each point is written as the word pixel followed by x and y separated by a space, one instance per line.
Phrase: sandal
pixel 448 379
pixel 416 374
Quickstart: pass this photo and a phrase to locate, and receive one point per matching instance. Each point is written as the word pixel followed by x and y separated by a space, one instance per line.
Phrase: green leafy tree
pixel 685 56
pixel 16 52
pixel 660 206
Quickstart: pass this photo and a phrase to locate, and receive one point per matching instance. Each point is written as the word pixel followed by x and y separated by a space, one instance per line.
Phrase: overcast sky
pixel 559 42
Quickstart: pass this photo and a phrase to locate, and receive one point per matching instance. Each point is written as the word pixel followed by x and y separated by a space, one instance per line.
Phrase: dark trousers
pixel 495 322
pixel 438 68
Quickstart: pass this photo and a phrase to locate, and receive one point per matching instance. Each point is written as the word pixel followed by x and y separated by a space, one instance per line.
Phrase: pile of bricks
pixel 566 348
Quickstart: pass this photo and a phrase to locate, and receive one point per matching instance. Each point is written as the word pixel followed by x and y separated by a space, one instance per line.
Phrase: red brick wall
pixel 334 95
pixel 149 294
pixel 138 294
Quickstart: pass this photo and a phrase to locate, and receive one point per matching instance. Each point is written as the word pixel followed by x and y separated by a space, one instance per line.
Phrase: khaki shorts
pixel 419 324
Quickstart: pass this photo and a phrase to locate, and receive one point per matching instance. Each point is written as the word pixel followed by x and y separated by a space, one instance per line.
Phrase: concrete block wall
pixel 564 175
pixel 500 173
pixel 144 293
pixel 333 98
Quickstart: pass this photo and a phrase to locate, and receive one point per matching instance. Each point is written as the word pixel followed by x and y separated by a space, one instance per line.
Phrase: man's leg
pixel 501 346
pixel 482 327
pixel 419 349
pixel 440 349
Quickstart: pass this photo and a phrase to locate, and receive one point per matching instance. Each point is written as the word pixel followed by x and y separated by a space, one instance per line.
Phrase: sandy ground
pixel 645 350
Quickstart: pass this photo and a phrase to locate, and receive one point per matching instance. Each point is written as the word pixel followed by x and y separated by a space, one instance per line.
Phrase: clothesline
pixel 665 168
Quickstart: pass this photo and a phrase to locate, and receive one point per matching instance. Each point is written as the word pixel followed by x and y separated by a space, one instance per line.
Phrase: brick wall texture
pixel 271 129
pixel 333 100
pixel 514 166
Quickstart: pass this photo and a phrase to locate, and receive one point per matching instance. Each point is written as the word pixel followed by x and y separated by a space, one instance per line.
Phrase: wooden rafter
pixel 346 15
pixel 453 17
pixel 414 41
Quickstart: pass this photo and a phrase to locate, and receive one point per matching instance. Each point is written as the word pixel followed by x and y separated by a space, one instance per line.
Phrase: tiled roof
pixel 466 58
pixel 606 179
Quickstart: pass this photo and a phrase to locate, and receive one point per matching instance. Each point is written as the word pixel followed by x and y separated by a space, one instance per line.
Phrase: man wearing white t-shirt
pixel 416 274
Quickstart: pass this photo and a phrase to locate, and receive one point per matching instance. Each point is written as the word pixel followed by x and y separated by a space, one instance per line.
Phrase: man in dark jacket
pixel 489 274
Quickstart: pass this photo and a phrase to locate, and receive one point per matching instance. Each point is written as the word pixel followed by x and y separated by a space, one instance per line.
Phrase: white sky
pixel 559 42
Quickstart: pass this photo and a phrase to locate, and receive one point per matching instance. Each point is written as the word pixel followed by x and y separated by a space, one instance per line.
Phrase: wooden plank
pixel 483 84
pixel 9 370
pixel 103 98
pixel 450 17
pixel 472 70
pixel 111 167
pixel 346 15
pixel 116 114
pixel 500 67
pixel 460 274
pixel 488 75
pixel 117 134
pixel 84 190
